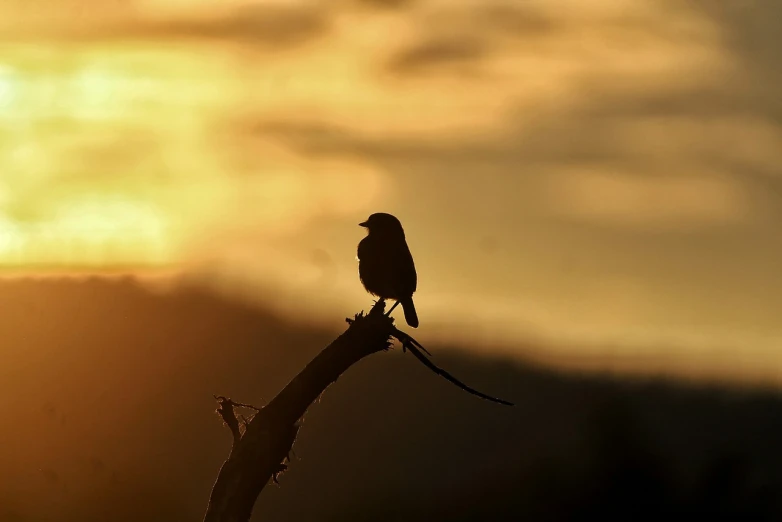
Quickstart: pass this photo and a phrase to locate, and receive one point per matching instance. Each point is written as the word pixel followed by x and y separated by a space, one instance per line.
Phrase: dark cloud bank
pixel 109 416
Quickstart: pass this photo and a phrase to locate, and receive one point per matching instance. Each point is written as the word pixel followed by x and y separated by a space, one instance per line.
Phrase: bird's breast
pixel 385 268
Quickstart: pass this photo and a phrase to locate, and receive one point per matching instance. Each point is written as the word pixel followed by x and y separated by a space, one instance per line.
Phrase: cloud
pixel 456 52
pixel 640 115
pixel 592 140
pixel 641 144
pixel 143 220
pixel 385 4
pixel 458 40
pixel 254 24
pixel 646 202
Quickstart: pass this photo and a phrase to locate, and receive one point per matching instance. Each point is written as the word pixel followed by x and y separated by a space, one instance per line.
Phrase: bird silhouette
pixel 385 264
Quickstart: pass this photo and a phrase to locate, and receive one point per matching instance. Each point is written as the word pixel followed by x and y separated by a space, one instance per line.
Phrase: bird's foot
pixel 388 314
pixel 378 308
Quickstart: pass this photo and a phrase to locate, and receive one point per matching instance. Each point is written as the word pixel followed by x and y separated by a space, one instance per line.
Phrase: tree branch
pixel 259 453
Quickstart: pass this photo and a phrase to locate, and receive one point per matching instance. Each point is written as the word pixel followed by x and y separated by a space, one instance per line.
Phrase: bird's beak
pixel 364 224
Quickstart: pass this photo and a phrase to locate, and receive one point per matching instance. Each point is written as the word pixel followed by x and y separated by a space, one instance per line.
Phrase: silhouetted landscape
pixel 581 202
pixel 106 391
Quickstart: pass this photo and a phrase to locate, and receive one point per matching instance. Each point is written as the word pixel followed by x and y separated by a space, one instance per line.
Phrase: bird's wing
pixel 405 266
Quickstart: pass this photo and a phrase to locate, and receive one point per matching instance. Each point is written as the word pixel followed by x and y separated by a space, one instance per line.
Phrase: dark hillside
pixel 106 400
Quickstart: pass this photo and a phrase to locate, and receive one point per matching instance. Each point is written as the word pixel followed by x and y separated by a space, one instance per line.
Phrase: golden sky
pixel 602 173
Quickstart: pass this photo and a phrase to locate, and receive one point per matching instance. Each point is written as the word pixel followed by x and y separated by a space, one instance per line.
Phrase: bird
pixel 385 264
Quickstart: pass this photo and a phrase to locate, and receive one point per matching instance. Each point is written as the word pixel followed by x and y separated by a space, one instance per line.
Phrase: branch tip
pixel 417 349
pixel 226 411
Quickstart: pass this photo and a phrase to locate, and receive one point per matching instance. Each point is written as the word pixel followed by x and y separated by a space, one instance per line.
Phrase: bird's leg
pixel 392 309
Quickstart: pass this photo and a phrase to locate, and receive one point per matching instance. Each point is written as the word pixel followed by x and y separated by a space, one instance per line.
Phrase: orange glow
pixel 111 158
pixel 577 170
pixel 134 149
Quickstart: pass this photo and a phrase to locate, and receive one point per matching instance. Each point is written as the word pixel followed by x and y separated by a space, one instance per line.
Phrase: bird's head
pixel 383 223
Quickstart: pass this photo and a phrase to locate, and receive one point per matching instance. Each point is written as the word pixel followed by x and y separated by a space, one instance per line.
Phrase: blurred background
pixel 584 185
pixel 593 173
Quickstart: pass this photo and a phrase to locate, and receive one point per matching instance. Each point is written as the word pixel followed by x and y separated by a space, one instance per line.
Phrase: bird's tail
pixel 409 308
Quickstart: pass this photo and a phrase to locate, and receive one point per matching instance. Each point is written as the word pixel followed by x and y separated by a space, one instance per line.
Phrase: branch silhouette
pixel 416 349
pixel 259 452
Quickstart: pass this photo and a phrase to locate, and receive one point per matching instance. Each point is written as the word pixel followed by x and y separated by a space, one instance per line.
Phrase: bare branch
pixel 237 404
pixel 417 349
pixel 406 340
pixel 259 453
pixel 225 409
pixel 259 456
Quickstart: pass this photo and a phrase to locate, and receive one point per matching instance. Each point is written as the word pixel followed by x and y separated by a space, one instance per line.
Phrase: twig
pixel 406 340
pixel 418 350
pixel 239 404
pixel 225 409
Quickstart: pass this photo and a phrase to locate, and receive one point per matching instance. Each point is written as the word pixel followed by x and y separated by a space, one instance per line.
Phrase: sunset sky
pixel 602 175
